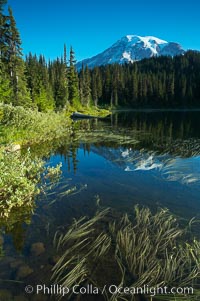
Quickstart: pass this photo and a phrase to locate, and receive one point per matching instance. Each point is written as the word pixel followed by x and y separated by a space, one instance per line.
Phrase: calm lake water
pixel 151 158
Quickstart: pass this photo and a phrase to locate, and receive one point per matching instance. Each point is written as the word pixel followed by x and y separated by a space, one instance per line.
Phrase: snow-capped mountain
pixel 133 48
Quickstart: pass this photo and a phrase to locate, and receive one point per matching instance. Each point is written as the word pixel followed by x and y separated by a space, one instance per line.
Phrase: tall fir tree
pixel 5 91
pixel 73 92
pixel 5 87
pixel 3 29
pixel 15 65
pixel 57 75
pixel 81 83
pixel 86 91
pixel 65 70
pixel 96 85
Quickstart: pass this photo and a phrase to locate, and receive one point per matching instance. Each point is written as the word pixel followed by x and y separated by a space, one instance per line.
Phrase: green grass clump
pixel 94 111
pixel 145 249
pixel 89 110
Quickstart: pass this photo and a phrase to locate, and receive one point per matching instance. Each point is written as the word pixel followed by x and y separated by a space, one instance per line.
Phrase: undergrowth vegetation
pixel 129 252
pixel 21 172
pixel 23 125
pixel 22 178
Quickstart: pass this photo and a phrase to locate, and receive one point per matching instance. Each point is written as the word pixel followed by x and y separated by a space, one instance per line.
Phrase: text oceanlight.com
pixel 112 289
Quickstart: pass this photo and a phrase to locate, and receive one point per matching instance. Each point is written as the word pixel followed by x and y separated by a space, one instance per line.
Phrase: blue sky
pixel 92 26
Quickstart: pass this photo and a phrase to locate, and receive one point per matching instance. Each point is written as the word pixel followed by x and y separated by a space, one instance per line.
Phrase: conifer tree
pixel 5 89
pixel 96 85
pixel 32 76
pixel 81 84
pixel 86 87
pixel 73 81
pixel 134 87
pixel 57 74
pixel 65 74
pixel 15 64
pixel 4 25
pixel 5 85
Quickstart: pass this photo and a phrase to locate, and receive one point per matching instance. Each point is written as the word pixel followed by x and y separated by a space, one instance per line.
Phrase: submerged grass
pixel 147 249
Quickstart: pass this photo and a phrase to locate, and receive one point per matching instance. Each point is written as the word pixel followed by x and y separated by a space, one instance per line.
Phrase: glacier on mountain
pixel 132 48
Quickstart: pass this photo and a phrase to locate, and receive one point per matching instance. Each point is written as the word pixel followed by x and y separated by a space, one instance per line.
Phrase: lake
pixel 150 158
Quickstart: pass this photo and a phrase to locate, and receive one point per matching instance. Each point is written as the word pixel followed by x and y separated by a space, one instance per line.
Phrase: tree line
pixel 33 81
pixel 55 85
pixel 155 82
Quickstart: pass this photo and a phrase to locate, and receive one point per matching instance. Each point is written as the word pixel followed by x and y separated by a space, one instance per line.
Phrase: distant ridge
pixel 132 48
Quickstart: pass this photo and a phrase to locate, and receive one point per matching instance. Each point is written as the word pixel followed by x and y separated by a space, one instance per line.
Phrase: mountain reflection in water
pixel 166 141
pixel 185 170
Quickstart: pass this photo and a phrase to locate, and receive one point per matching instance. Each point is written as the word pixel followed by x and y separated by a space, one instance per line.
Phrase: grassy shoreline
pixel 20 172
pixel 23 126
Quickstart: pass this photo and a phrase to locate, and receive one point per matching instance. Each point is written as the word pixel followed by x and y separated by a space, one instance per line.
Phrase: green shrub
pixel 28 126
pixel 19 176
pixel 21 180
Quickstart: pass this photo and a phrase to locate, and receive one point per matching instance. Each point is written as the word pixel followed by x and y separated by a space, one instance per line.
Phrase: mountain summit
pixel 133 48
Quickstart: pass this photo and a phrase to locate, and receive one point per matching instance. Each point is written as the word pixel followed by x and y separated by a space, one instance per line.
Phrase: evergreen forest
pixel 45 85
pixel 156 82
